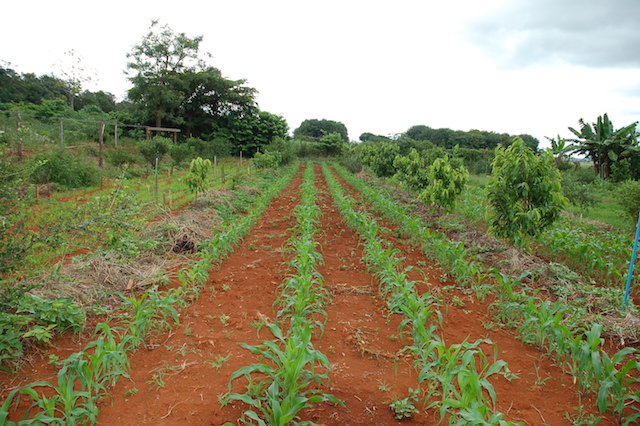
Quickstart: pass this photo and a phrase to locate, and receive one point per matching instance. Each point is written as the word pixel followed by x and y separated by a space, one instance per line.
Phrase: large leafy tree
pixel 315 129
pixel 174 86
pixel 211 102
pixel 157 70
pixel 250 132
pixel 602 144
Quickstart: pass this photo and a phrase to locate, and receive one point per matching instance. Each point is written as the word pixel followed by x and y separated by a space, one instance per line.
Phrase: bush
pixel 578 193
pixel 629 198
pixel 69 171
pixel 524 192
pixel 154 147
pixel 119 157
pixel 180 153
pixel 352 163
pixel 219 147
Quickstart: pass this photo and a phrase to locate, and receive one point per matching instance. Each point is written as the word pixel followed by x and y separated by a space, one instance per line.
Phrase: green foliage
pixel 379 157
pixel 180 153
pixel 604 145
pixel 15 238
pixel 524 192
pixel 197 179
pixel 61 167
pixel 333 143
pixel 628 196
pixel 405 408
pixel 622 170
pixel 475 139
pixel 154 147
pixel 60 312
pixel 267 160
pixel 445 183
pixel 578 193
pixel 412 170
pixel 120 157
pixel 314 129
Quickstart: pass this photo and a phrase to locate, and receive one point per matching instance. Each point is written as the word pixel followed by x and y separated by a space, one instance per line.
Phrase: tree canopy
pixel 314 129
pixel 476 139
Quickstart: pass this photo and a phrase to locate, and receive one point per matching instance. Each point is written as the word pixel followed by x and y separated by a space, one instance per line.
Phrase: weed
pixel 220 360
pixel 384 386
pixel 405 408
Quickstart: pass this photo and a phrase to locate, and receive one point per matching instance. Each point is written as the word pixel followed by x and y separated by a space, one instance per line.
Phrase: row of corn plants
pixel 85 376
pixel 290 369
pixel 612 379
pixel 455 378
pixel 579 349
pixel 598 254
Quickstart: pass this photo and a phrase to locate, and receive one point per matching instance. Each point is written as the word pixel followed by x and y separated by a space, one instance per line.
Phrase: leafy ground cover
pixel 401 332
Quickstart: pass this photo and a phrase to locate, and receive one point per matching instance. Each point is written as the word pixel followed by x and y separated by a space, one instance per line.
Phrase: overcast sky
pixel 514 66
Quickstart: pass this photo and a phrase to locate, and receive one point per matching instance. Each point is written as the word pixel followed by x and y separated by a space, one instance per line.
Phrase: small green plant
pixel 220 360
pixel 405 408
pixel 384 386
pixel 197 179
pixel 130 392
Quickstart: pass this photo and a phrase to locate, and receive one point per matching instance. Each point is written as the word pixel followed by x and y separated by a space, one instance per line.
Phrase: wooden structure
pixel 149 129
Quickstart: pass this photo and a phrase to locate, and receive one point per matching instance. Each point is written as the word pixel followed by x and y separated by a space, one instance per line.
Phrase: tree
pixel 158 64
pixel 211 102
pixel 74 76
pixel 524 192
pixel 173 85
pixel 251 132
pixel 314 129
pixel 604 145
pixel 446 183
pixel 197 178
pixel 154 147
pixel 561 151
pixel 379 157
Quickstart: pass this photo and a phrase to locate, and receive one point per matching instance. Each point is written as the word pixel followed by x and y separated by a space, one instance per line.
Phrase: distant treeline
pixel 447 138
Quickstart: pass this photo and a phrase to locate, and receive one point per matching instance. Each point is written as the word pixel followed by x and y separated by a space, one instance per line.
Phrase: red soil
pixel 360 338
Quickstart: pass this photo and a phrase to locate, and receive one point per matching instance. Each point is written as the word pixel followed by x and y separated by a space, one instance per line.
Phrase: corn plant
pixel 452 372
pixel 284 384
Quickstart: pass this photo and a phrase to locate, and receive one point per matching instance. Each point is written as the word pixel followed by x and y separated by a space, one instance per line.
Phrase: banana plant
pixel 602 144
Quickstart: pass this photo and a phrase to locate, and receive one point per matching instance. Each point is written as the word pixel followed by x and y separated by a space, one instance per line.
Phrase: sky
pixel 509 66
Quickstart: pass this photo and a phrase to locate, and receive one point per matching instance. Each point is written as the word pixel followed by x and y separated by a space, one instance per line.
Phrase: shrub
pixel 68 171
pixel 629 198
pixel 446 182
pixel 154 147
pixel 119 157
pixel 578 193
pixel 180 153
pixel 524 192
pixel 379 157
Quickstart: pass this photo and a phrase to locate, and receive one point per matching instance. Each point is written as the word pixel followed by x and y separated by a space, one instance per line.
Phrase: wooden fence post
pixel 18 125
pixel 101 141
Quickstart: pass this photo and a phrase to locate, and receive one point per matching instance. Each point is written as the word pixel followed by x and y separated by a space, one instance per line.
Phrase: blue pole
pixel 633 261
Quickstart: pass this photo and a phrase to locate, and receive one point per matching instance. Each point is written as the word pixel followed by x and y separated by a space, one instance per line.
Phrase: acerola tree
pixel 524 192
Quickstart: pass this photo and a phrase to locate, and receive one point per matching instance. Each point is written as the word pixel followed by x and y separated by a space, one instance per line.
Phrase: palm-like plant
pixel 602 144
